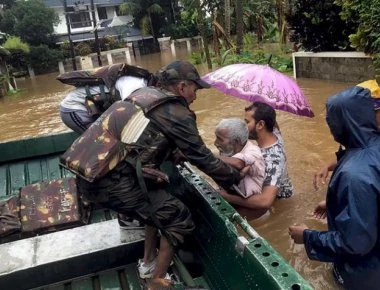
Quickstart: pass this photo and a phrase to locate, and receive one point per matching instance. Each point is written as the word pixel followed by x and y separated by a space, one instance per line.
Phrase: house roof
pixel 59 3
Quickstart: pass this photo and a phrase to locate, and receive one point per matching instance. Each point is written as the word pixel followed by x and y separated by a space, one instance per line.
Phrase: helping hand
pixel 296 232
pixel 320 177
pixel 320 210
pixel 247 170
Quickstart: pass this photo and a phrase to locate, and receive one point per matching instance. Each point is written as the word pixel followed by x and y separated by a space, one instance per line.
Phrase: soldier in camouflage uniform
pixel 172 125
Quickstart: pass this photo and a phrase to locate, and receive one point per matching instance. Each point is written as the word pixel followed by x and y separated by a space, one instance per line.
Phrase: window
pixel 102 13
pixel 79 19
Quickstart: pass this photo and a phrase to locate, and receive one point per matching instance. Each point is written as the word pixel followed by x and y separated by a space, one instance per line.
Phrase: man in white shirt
pixel 261 120
pixel 74 110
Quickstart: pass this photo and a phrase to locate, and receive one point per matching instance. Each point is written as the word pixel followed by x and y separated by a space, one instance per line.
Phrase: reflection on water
pixel 308 145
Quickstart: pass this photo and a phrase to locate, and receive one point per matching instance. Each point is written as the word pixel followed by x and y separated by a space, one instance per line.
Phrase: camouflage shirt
pixel 177 122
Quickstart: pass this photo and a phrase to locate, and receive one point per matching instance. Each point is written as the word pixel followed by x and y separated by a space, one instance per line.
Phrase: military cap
pixel 179 70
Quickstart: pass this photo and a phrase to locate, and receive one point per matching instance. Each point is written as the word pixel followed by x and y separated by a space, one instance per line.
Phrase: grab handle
pixel 245 226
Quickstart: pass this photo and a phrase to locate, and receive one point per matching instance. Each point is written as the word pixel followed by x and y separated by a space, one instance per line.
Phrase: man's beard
pixel 226 154
pixel 253 135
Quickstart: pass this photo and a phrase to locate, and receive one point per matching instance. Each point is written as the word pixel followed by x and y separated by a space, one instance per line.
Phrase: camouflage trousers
pixel 124 195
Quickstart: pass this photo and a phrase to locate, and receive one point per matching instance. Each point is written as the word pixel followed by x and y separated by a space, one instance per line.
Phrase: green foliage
pixel 196 58
pixel 109 43
pixel 19 50
pixel 15 45
pixel 376 64
pixel 83 48
pixel 271 34
pixel 317 25
pixel 259 15
pixel 32 21
pixel 44 59
pixel 144 12
pixel 65 49
pixel 282 64
pixel 186 26
pixel 364 14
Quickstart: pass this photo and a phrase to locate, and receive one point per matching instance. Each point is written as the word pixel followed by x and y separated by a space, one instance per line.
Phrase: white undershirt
pixel 75 99
pixel 128 84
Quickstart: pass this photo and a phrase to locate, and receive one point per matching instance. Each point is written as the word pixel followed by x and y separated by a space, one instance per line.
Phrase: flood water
pixel 308 146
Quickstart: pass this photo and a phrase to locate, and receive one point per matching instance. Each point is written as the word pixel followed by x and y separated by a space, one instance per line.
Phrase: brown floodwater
pixel 308 145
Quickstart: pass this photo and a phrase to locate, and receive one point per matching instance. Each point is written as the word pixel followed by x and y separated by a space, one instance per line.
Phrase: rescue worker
pixel 84 104
pixel 167 124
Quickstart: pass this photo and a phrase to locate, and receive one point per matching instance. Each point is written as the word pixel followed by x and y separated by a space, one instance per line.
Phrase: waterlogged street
pixel 308 145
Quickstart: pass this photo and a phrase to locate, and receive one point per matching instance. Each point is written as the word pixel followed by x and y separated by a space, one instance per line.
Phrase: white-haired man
pixel 236 150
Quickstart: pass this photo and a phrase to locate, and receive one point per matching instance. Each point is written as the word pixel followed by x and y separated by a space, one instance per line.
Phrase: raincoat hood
pixel 351 117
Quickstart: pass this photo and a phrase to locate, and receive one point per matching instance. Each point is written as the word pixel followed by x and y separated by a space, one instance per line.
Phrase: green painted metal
pixel 85 284
pixel 226 260
pixel 109 280
pixel 35 147
pixel 257 266
pixel 130 273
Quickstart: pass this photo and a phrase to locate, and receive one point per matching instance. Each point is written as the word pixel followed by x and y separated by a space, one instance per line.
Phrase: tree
pixel 7 3
pixel 259 15
pixel 202 30
pixel 18 52
pixel 32 21
pixel 363 15
pixel 239 26
pixel 227 18
pixel 144 10
pixel 317 25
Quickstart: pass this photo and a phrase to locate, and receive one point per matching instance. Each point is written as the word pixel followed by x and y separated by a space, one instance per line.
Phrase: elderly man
pixel 261 120
pixel 236 150
pixel 163 123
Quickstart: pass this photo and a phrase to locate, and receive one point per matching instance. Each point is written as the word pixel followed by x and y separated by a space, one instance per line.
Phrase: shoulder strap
pixel 136 163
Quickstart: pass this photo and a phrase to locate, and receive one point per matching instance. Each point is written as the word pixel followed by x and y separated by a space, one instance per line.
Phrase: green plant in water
pixel 282 64
pixel 15 92
pixel 196 58
pixel 15 44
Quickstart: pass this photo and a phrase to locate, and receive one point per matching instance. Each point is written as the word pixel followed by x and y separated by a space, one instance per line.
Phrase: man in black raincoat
pixel 352 241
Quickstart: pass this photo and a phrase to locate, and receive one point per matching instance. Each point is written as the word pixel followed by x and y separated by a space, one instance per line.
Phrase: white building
pixel 80 20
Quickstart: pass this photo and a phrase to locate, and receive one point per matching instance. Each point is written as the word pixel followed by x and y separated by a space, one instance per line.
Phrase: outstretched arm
pixel 258 201
pixel 234 162
pixel 178 123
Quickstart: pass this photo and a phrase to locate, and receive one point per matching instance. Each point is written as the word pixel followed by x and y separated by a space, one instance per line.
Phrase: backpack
pixel 106 75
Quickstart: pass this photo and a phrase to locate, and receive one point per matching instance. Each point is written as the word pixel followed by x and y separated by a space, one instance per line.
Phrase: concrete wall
pixel 337 66
pixel 107 57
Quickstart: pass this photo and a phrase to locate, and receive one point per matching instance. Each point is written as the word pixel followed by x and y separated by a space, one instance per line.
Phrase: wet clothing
pixel 252 183
pixel 352 241
pixel 78 121
pixel 276 171
pixel 171 125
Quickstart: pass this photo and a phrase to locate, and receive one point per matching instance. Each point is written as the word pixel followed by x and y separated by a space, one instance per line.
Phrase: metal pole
pixel 96 33
pixel 72 53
